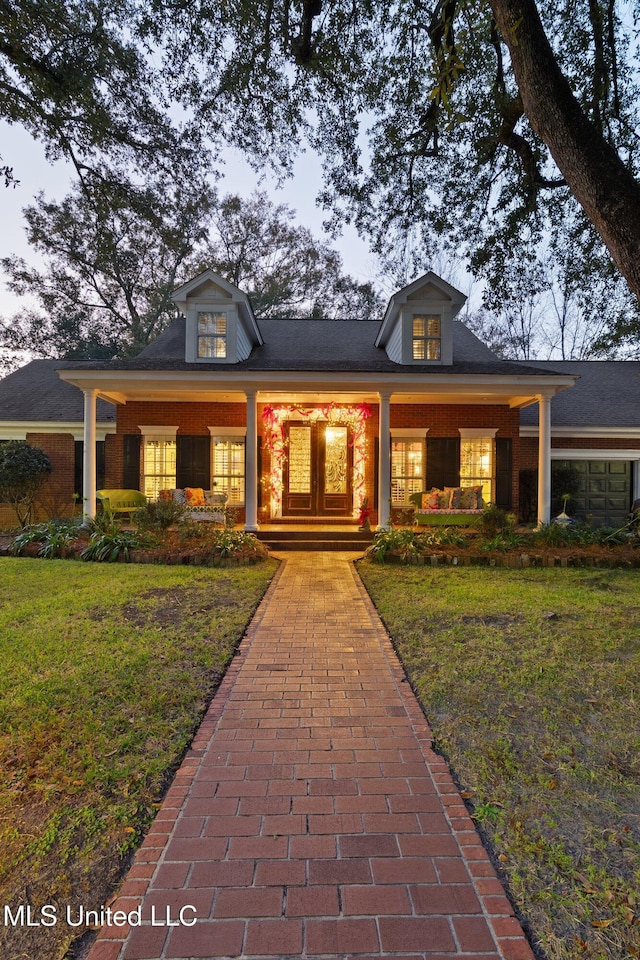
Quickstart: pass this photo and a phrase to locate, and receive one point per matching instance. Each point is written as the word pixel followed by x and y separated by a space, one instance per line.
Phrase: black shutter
pixel 131 461
pixel 443 462
pixel 78 467
pixel 193 462
pixel 503 473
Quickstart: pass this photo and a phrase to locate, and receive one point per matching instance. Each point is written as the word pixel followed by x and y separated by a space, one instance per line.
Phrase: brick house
pixel 301 420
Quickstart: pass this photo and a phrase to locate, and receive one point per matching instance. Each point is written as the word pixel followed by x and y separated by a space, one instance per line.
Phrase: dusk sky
pixel 35 173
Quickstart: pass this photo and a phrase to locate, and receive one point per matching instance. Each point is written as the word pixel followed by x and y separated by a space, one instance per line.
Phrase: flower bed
pixel 106 541
pixel 551 546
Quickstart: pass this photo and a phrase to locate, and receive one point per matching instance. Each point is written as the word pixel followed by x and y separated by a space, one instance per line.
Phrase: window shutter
pixel 443 462
pixel 131 461
pixel 503 472
pixel 78 467
pixel 193 462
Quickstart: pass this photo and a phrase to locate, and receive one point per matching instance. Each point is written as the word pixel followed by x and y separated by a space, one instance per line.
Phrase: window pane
pixel 159 464
pixel 477 465
pixel 228 468
pixel 212 323
pixel 426 333
pixel 407 470
pixel 212 347
pixel 212 335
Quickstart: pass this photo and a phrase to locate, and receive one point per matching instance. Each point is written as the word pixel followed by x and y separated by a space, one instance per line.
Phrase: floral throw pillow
pixel 468 498
pixel 430 500
pixel 195 496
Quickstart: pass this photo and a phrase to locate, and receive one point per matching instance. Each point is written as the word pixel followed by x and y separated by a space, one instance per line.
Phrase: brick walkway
pixel 311 817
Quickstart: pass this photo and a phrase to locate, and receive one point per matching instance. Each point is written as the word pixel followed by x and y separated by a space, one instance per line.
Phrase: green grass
pixel 105 673
pixel 531 683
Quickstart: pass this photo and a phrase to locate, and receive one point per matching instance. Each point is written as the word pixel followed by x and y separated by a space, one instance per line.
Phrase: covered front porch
pixel 316 447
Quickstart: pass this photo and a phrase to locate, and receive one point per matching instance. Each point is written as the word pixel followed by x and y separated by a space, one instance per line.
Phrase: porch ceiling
pixel 193 386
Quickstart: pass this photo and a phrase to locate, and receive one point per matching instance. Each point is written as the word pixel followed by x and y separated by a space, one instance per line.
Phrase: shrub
pixel 159 515
pixel 109 546
pixel 53 536
pixel 236 545
pixel 494 520
pixel 23 470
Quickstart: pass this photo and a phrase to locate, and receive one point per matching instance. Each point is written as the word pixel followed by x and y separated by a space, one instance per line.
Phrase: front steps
pixel 316 540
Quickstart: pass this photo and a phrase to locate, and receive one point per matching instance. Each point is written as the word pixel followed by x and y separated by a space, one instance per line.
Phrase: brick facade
pixel 193 419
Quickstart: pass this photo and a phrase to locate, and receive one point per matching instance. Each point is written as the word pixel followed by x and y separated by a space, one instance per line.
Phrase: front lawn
pixel 531 682
pixel 105 674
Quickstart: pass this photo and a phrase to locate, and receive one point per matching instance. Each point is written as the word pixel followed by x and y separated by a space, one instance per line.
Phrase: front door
pixel 318 470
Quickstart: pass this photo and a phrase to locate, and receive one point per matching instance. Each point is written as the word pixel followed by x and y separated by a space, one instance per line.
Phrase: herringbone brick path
pixel 311 817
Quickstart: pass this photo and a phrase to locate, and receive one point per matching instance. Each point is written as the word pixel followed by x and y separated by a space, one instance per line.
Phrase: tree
pixel 443 121
pixel 113 253
pixel 81 79
pixel 283 268
pixel 23 469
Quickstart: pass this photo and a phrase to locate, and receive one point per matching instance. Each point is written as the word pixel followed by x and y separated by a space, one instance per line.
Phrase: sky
pixel 36 173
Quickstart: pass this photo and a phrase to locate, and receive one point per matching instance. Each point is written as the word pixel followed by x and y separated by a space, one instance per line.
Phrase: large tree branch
pixel 595 174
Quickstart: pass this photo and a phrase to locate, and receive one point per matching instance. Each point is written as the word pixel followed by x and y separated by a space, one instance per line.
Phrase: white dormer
pixel 220 325
pixel 416 328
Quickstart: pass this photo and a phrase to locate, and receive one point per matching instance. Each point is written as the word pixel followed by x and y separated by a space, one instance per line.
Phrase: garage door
pixel 605 491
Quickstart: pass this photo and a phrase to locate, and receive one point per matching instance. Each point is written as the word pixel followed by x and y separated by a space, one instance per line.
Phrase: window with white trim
pixel 159 465
pixel 478 465
pixel 426 337
pixel 407 469
pixel 227 474
pixel 212 334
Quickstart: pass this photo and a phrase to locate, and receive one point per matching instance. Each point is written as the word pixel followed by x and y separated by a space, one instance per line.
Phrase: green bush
pixel 236 545
pixel 109 546
pixel 494 520
pixel 53 536
pixel 159 515
pixel 23 470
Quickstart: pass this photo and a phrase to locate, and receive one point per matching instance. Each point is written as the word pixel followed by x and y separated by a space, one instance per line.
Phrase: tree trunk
pixel 595 174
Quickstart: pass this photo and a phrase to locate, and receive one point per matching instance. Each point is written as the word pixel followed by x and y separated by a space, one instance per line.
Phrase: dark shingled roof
pixel 320 346
pixel 606 395
pixel 36 392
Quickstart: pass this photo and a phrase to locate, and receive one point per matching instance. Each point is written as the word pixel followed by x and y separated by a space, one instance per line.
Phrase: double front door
pixel 318 470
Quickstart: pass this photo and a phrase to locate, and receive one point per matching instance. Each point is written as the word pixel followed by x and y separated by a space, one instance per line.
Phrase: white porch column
pixel 251 465
pixel 544 459
pixel 89 455
pixel 384 461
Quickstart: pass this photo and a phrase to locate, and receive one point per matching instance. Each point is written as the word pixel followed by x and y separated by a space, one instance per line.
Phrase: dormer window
pixel 426 337
pixel 212 335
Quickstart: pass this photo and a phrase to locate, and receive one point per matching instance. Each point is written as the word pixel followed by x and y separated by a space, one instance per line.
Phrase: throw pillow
pixel 430 500
pixel 195 496
pixel 478 490
pixel 454 497
pixel 165 495
pixel 444 499
pixel 468 498
pixel 179 497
